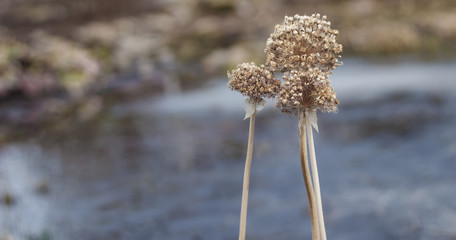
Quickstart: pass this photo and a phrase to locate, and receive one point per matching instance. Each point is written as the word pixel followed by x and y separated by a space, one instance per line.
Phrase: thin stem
pixel 307 179
pixel 245 187
pixel 316 180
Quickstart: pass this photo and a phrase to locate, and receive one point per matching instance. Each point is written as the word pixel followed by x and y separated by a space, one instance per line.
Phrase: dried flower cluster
pixel 305 49
pixel 253 81
pixel 303 42
pixel 307 90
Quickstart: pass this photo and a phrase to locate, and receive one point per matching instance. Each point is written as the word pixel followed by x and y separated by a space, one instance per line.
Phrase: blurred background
pixel 116 123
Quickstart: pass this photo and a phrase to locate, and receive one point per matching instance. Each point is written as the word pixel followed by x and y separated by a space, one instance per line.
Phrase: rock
pixel 43 188
pixel 8 199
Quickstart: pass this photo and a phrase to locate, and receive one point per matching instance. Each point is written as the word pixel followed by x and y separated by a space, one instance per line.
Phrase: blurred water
pixel 171 167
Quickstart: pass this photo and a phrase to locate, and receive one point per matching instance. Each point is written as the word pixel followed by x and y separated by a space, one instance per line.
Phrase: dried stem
pixel 245 187
pixel 316 181
pixel 307 177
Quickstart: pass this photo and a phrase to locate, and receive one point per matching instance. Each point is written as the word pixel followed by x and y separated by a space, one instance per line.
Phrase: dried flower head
pixel 307 90
pixel 301 43
pixel 253 81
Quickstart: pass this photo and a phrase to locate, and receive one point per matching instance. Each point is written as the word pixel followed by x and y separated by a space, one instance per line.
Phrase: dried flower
pixel 305 49
pixel 253 81
pixel 302 43
pixel 256 83
pixel 307 90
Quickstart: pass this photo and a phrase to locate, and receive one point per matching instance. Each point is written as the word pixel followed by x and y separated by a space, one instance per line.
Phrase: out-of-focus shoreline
pixel 70 59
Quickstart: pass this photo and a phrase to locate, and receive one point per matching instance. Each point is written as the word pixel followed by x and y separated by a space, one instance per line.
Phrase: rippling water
pixel 171 167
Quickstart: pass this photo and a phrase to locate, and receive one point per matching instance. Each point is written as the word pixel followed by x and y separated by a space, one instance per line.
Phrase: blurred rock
pixel 383 37
pixel 47 64
pixel 43 188
pixel 10 53
pixel 73 65
pixel 441 24
pixel 40 13
pixel 8 199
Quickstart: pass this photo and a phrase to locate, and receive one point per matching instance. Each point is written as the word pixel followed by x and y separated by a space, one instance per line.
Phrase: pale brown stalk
pixel 245 187
pixel 307 178
pixel 316 180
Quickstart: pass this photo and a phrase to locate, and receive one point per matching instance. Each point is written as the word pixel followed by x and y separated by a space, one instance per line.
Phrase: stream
pixel 170 167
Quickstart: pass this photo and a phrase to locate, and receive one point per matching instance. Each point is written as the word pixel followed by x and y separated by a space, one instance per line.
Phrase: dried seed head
pixel 253 81
pixel 301 43
pixel 307 90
